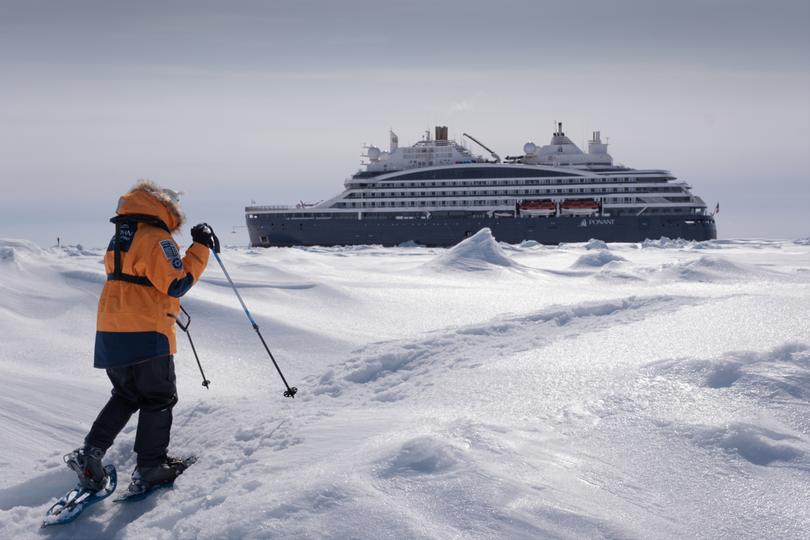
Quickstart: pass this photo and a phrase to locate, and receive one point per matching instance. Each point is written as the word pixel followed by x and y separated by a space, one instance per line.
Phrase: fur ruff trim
pixel 157 192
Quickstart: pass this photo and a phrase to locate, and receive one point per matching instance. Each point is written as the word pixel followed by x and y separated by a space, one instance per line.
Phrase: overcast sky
pixel 272 101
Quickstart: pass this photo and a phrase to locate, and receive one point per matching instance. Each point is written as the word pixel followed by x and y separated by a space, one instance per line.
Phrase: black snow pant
pixel 149 387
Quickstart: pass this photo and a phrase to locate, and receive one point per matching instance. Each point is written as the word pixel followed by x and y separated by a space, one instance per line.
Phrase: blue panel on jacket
pixel 179 287
pixel 126 234
pixel 119 349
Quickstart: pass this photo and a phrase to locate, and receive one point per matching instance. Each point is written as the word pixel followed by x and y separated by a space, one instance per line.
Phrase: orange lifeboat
pixel 579 207
pixel 538 207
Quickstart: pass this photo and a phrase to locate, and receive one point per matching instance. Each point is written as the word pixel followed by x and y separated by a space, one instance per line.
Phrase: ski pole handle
pixel 213 239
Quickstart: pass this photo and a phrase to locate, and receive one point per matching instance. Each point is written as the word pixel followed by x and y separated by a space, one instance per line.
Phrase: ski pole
pixel 184 328
pixel 291 391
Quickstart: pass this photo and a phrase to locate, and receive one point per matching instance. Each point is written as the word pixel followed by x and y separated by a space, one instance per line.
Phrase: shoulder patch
pixel 169 250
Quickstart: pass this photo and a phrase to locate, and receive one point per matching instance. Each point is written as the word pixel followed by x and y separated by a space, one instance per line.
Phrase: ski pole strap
pixel 215 238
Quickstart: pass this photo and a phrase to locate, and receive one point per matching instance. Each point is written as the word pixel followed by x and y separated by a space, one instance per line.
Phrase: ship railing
pixel 654 200
pixel 268 207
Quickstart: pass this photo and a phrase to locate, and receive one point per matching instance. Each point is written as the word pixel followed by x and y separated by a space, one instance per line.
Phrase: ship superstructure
pixel 436 192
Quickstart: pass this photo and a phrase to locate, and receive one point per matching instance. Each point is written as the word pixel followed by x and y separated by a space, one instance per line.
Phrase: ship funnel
pixel 596 146
pixel 441 133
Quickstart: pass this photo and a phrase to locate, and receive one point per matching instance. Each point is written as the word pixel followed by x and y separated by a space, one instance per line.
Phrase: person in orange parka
pixel 135 338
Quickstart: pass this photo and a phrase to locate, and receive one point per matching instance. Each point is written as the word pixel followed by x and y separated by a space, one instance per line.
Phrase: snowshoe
pixel 145 480
pixel 77 500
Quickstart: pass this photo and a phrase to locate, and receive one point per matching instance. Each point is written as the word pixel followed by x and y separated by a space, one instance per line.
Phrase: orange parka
pixel 140 300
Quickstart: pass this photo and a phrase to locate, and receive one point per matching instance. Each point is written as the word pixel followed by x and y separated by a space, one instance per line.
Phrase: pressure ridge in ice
pixel 560 401
pixel 12 249
pixel 479 252
pixel 597 259
pixel 594 243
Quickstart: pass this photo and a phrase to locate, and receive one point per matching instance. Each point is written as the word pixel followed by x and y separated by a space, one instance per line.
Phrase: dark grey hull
pixel 280 230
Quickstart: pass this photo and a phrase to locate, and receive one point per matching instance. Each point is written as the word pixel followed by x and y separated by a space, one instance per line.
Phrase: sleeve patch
pixel 169 250
pixel 177 263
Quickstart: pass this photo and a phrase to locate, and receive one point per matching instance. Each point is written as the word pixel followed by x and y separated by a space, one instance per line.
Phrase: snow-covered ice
pixel 479 252
pixel 652 390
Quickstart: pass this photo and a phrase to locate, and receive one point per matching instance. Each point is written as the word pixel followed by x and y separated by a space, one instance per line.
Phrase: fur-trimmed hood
pixel 147 198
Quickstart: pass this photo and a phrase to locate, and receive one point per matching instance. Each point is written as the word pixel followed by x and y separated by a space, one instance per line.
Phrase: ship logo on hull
pixel 586 222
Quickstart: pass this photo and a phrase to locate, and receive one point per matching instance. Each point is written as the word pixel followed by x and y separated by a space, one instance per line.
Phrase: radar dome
pixel 373 153
pixel 529 148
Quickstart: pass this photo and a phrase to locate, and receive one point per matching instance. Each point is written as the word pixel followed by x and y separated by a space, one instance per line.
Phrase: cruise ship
pixel 438 192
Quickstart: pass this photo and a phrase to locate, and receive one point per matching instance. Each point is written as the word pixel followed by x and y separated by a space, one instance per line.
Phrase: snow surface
pixel 653 390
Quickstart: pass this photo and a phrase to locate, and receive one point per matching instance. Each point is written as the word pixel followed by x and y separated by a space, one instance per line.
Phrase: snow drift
pixel 480 252
pixel 596 259
pixel 707 268
pixel 468 402
pixel 11 250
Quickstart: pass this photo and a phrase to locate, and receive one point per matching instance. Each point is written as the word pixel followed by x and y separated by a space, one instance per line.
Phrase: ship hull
pixel 277 229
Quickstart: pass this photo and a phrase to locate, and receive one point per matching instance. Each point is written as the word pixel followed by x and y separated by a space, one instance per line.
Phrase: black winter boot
pixel 145 478
pixel 86 462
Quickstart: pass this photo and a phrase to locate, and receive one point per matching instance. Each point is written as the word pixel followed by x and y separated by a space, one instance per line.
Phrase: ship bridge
pixel 563 151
